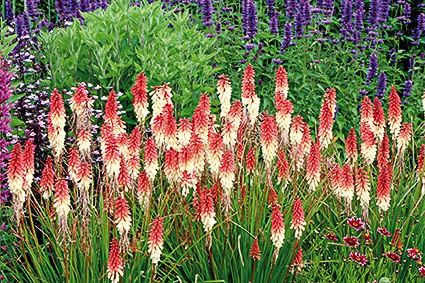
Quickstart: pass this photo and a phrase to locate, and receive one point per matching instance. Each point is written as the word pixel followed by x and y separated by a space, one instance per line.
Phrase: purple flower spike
pixel 274 25
pixel 382 85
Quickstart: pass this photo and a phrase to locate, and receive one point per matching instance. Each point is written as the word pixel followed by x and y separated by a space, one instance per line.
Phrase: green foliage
pixel 115 45
pixel 6 39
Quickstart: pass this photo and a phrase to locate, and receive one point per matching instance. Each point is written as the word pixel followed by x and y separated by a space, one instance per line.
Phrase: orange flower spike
pixel 378 120
pixel 351 147
pixel 394 112
pixel 140 97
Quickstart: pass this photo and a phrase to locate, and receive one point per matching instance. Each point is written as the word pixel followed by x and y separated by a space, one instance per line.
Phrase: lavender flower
pixel 277 61
pixel 270 7
pixel 287 37
pixel 383 10
pixel 274 24
pixel 299 29
pixel 405 19
pixel 32 9
pixel 359 17
pixel 393 56
pixel 373 15
pixel 407 88
pixel 305 10
pixel 5 129
pixel 249 18
pixel 291 8
pixel 8 10
pixel 373 68
pixel 207 13
pixel 382 85
pixel 328 7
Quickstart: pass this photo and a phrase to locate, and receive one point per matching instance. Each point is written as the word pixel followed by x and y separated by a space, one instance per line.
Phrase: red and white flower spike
pixel 206 210
pixel 170 128
pixel 74 163
pixel 198 154
pixel 144 189
pixel 214 152
pixel 184 132
pixel 171 166
pixel 122 215
pixel 298 260
pixel 268 139
pixel 47 179
pixel 80 102
pixel 283 117
pixel 188 181
pixel 303 148
pixel 383 195
pixel 227 172
pixel 298 221
pixel 277 228
pixel 133 167
pixel 250 160
pixel 224 90
pixel 115 264
pixel 84 139
pixel 122 142
pixel 366 112
pixel 235 114
pixel 378 127
pixel 135 142
pixel 283 168
pixel 230 134
pixel 326 118
pixel 124 181
pixel 112 157
pixel 160 97
pixel 185 159
pixel 151 159
pixel 28 164
pixel 351 147
pixel 111 114
pixel 62 200
pixel 297 128
pixel 201 121
pixel 140 97
pixel 404 137
pixel 335 176
pixel 250 99
pixel 282 87
pixel 156 239
pixel 394 112
pixel 368 146
pixel 85 176
pixel 255 252
pixel 158 129
pixel 57 120
pixel 363 191
pixel 15 178
pixel 313 167
pixel 384 151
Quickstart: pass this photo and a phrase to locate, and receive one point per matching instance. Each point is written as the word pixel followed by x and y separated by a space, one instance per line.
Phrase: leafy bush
pixel 117 43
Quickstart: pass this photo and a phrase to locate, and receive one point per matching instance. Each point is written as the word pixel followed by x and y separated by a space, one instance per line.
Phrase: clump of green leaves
pixel 6 39
pixel 116 44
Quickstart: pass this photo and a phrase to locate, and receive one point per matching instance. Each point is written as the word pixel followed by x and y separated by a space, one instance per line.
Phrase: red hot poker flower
pixel 47 179
pixel 394 112
pixel 156 239
pixel 115 264
pixel 255 252
pixel 281 89
pixel 298 221
pixel 378 127
pixel 140 97
pixel 351 147
pixel 383 195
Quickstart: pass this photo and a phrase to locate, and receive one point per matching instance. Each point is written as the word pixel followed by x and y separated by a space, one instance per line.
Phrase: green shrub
pixel 114 45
